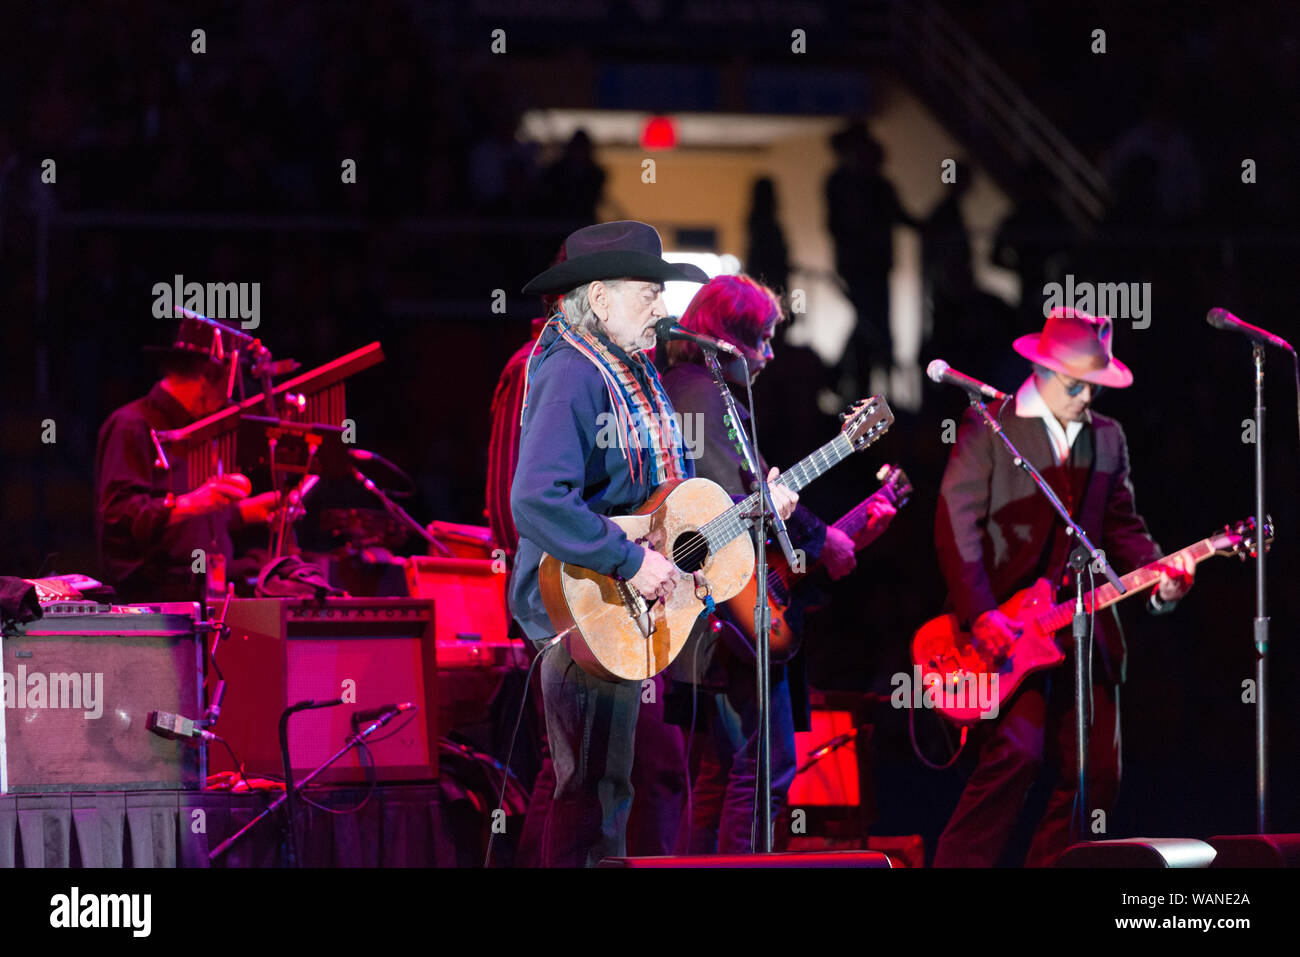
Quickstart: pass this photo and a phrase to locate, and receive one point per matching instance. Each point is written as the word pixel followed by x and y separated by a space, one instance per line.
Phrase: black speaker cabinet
pixel 369 651
pixel 78 687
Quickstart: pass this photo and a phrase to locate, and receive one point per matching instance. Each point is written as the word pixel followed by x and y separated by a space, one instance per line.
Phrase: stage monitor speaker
pixel 816 859
pixel 79 684
pixel 369 651
pixel 473 629
pixel 1139 852
pixel 1256 850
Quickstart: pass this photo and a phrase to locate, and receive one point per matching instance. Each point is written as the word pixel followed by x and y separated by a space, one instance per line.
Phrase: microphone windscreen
pixel 936 369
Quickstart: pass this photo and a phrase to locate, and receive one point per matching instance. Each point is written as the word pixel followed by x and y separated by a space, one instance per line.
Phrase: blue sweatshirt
pixel 565 485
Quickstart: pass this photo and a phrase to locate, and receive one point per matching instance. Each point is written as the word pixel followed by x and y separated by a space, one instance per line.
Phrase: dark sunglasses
pixel 1077 387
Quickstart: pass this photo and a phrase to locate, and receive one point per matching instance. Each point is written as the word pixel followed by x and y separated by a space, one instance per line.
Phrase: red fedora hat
pixel 1077 345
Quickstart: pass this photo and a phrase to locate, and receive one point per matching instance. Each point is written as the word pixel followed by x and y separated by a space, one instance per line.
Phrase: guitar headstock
pixel 894 484
pixel 867 421
pixel 1241 539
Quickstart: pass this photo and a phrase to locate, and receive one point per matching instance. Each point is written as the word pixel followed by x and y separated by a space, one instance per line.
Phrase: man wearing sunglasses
pixel 996 534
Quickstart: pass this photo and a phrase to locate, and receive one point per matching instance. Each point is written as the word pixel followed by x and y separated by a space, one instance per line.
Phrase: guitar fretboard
pixel 1059 616
pixel 732 523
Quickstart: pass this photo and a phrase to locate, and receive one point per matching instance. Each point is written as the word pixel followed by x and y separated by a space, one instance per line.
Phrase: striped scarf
pixel 645 423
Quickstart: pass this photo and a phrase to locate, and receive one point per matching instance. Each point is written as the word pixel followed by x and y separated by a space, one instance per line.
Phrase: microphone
pixel 667 328
pixel 939 371
pixel 1223 319
pixel 173 726
pixel 238 333
pixel 372 714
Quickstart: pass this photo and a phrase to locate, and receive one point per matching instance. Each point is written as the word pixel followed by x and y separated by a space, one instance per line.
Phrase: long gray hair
pixel 577 305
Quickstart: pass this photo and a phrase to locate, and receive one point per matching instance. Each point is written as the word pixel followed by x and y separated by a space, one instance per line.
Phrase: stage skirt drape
pixel 399 826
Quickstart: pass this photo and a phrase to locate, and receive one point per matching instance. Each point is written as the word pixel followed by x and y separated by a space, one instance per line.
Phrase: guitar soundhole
pixel 690 551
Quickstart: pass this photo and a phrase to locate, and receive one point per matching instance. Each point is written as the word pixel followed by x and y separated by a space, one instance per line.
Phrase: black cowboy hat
pixel 623 249
pixel 205 339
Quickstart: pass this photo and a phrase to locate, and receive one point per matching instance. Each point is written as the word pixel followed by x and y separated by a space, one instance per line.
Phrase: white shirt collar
pixel 1030 405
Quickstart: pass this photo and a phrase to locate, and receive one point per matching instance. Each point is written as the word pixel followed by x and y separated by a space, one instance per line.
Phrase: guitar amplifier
pixel 473 629
pixel 79 684
pixel 369 651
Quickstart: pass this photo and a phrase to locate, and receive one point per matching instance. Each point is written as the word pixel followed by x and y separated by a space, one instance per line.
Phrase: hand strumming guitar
pixel 993 634
pixel 656 577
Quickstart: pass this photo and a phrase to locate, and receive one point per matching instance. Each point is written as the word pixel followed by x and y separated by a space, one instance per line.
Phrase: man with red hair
pixel 745 313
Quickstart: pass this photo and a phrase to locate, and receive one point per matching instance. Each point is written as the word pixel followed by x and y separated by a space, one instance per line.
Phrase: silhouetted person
pixel 946 269
pixel 573 184
pixel 862 209
pixel 1035 242
pixel 767 258
pixel 966 322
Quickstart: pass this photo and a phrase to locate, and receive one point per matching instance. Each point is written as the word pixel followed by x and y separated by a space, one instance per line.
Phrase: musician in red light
pixel 996 533
pixel 745 314
pixel 147 534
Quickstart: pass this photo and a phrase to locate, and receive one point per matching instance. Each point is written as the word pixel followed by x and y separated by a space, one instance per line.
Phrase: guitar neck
pixel 855 520
pixel 731 524
pixel 1137 581
pixel 850 523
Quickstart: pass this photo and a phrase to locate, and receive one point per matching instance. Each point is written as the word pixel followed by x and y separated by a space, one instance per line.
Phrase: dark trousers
pixel 1036 726
pixel 604 746
pixel 722 813
pixel 591 731
pixel 658 779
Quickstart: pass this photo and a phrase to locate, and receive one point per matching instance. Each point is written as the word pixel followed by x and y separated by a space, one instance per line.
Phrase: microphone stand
pixel 291 841
pixel 1261 616
pixel 1082 678
pixel 762 611
pixel 289 789
pixel 399 513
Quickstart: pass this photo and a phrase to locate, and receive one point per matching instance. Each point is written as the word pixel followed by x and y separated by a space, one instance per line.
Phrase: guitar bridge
pixel 638 609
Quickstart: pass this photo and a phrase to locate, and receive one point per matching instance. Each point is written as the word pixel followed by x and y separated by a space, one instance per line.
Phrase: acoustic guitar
pixel 614 632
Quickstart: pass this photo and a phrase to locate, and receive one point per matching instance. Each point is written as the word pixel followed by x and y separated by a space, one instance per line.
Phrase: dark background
pixel 226 166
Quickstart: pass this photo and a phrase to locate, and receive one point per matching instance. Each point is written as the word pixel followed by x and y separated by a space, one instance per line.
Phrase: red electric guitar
pixel 948 658
pixel 781 578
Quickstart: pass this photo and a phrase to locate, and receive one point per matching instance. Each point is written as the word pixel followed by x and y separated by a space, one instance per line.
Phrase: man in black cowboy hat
pixel 589 370
pixel 996 534
pixel 146 533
